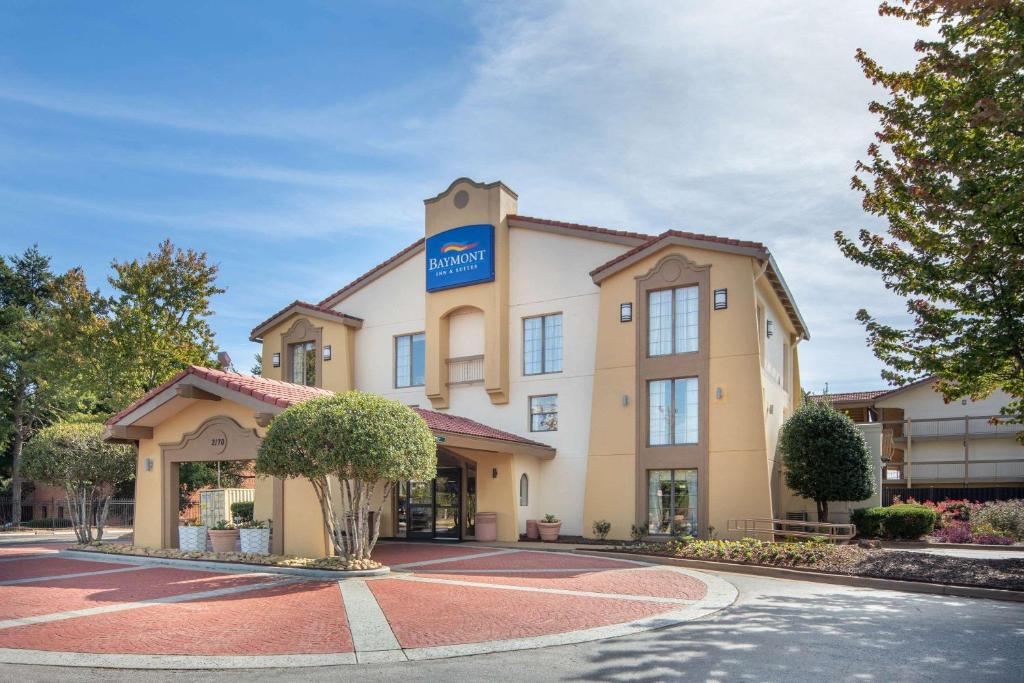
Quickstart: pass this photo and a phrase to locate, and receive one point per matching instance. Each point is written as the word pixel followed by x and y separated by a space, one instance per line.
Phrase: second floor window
pixel 542 344
pixel 672 321
pixel 544 413
pixel 303 363
pixel 672 411
pixel 410 360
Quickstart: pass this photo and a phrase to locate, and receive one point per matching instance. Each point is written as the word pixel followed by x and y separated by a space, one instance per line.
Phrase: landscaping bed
pixel 325 563
pixel 849 560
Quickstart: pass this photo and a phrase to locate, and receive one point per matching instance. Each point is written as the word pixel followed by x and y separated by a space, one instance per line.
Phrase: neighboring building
pixel 937 450
pixel 565 369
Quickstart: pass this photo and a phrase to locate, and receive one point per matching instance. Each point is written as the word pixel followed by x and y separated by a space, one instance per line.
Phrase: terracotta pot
pixel 531 530
pixel 223 540
pixel 486 526
pixel 192 538
pixel 548 530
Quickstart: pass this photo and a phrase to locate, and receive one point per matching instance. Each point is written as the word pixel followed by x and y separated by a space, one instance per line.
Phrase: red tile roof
pixel 582 228
pixel 301 304
pixel 453 424
pixel 849 396
pixel 400 256
pixel 685 235
pixel 284 394
pixel 270 391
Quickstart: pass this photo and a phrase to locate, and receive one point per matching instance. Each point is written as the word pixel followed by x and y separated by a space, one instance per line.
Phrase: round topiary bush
pixel 908 521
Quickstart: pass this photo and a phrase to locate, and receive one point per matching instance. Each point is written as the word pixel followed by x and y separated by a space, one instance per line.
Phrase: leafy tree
pixel 257 367
pixel 947 174
pixel 195 476
pixel 159 320
pixel 825 456
pixel 49 326
pixel 347 445
pixel 75 457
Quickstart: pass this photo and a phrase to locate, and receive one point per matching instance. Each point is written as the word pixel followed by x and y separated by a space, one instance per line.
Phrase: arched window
pixel 524 490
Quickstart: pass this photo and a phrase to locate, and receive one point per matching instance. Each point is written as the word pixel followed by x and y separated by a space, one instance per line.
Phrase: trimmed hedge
pixel 906 521
pixel 242 510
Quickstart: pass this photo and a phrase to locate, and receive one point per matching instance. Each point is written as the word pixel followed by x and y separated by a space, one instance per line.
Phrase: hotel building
pixel 588 373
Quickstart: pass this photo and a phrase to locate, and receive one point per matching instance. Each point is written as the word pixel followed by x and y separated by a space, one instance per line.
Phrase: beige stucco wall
pixel 338 373
pixel 739 465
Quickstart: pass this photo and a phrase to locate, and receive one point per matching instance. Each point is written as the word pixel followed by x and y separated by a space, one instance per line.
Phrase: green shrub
pixel 242 510
pixel 601 528
pixel 754 551
pixel 868 522
pixel 906 521
pixel 637 532
pixel 1004 517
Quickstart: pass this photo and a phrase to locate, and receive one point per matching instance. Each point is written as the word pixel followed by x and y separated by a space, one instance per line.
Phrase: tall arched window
pixel 524 490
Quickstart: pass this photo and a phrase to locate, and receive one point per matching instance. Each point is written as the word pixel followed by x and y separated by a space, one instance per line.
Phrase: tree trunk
pixel 101 518
pixel 16 447
pixel 822 510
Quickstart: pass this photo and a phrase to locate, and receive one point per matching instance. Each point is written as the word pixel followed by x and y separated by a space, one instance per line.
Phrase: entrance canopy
pixel 268 397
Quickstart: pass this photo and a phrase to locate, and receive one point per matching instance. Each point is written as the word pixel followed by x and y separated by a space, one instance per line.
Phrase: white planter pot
pixel 255 541
pixel 192 538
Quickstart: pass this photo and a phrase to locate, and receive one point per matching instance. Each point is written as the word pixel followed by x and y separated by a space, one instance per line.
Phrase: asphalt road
pixel 778 630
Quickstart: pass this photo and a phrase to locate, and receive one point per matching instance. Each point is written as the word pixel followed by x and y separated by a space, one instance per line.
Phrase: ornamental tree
pixel 75 457
pixel 825 456
pixel 351 447
pixel 946 172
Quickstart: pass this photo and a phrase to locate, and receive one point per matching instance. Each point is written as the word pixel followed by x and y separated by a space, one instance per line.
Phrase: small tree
pixel 75 457
pixel 825 456
pixel 347 445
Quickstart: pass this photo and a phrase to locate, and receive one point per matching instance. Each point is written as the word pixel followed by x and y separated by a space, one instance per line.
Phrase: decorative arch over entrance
pixel 217 438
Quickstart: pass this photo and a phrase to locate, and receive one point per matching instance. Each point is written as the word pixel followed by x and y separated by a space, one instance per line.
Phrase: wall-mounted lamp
pixel 721 299
pixel 626 312
pixel 276 360
pixel 148 464
pixel 718 393
pixel 327 352
pixel 494 473
pixel 625 400
pixel 770 330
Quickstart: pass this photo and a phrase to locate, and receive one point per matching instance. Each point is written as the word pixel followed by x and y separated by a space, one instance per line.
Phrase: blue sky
pixel 299 138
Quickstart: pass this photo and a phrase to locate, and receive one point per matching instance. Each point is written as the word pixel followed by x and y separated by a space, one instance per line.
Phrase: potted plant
pixel 254 535
pixel 223 536
pixel 549 528
pixel 191 535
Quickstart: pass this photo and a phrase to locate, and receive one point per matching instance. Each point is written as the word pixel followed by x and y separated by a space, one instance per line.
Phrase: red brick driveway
pixel 439 601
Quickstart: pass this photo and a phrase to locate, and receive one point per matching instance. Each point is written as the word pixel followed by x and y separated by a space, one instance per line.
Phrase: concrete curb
pixel 212 565
pixel 912 545
pixel 822 577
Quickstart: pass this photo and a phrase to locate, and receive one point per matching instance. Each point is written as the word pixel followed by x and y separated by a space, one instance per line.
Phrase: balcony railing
pixel 981 427
pixel 465 370
pixel 936 471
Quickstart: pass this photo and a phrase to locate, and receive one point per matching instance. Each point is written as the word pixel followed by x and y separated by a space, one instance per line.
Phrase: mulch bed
pixel 901 566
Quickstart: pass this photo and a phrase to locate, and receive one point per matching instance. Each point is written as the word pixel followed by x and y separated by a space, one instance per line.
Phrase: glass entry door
pixel 432 509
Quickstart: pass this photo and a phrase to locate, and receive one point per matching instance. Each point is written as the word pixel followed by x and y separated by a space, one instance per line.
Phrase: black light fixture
pixel 721 299
pixel 327 352
pixel 771 328
pixel 626 312
pixel 494 473
pixel 276 360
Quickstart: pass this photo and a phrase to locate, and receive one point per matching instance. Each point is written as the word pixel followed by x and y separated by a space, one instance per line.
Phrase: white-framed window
pixel 410 360
pixel 542 344
pixel 673 410
pixel 524 490
pixel 544 413
pixel 303 359
pixel 672 321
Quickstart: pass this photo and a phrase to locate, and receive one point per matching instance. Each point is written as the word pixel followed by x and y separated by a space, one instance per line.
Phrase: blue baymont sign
pixel 460 256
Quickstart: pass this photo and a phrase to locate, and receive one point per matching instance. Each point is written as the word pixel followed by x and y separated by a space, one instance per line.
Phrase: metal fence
pixel 53 513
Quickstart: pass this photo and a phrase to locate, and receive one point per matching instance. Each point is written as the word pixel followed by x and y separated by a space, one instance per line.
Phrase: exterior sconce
pixel 494 473
pixel 276 360
pixel 721 299
pixel 148 464
pixel 327 352
pixel 718 393
pixel 770 329
pixel 626 312
pixel 625 400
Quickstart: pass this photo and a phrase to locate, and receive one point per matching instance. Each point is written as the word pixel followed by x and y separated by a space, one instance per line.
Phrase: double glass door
pixel 432 509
